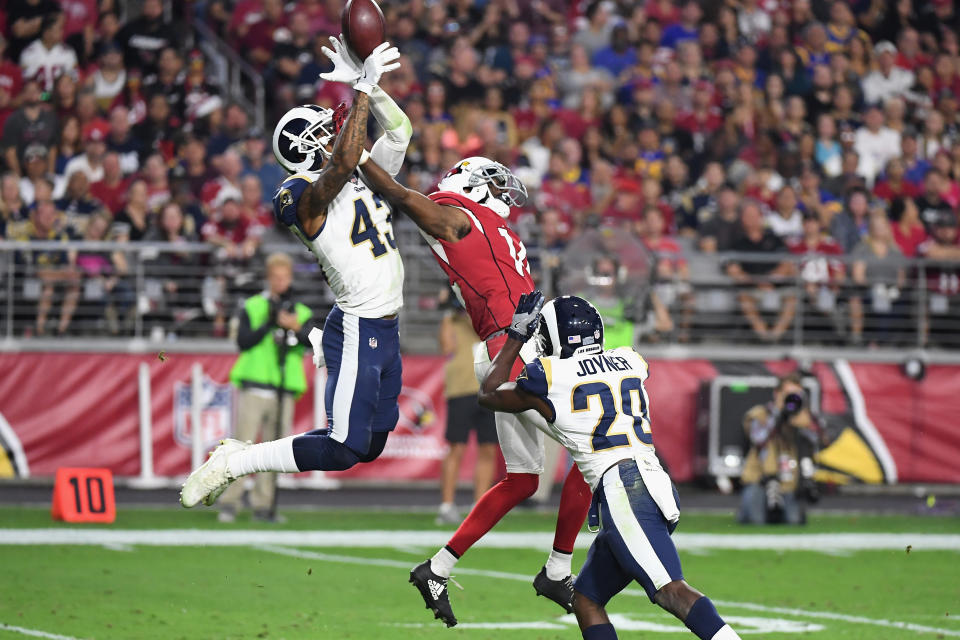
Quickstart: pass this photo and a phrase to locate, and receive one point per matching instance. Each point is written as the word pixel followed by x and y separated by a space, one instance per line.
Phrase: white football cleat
pixel 212 478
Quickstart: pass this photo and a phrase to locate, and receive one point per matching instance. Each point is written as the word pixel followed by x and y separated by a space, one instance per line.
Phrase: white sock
pixel 725 633
pixel 558 565
pixel 276 455
pixel 442 563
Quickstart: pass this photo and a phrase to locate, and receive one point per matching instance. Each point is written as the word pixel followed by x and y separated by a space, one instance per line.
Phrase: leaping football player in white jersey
pixel 327 204
pixel 597 407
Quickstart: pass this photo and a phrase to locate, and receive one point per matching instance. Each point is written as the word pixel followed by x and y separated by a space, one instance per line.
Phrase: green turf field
pixel 338 574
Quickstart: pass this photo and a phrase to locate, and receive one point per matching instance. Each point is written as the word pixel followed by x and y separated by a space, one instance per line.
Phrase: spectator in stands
pixel 236 125
pixel 143 39
pixel 136 213
pixel 721 231
pixel 168 81
pixel 12 207
pixel 77 205
pixel 821 272
pixel 888 79
pixel 596 33
pixel 54 268
pixel 786 221
pixel 253 207
pixel 103 275
pixel 155 133
pixel 942 280
pixel 36 173
pixel 848 226
pixel 122 141
pixel 158 182
pixel 931 202
pixel 110 77
pixel 760 279
pixel 193 167
pixel 878 276
pixel 94 147
pixel 47 58
pixel 264 34
pixel 258 161
pixel 112 190
pixel 70 144
pixel 907 228
pixel 25 20
pixel 876 144
pixel 31 124
pixel 228 229
pixel 893 184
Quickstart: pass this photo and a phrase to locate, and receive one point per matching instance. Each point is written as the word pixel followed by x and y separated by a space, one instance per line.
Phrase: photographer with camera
pixel 272 337
pixel 778 471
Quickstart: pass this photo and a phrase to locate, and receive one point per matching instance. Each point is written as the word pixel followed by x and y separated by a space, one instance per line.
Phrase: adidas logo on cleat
pixel 436 589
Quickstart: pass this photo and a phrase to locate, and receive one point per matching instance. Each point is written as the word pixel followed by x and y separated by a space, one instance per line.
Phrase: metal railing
pixel 161 293
pixel 237 77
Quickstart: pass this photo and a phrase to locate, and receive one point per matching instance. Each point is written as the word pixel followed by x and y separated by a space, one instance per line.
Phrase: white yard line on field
pixel 36 633
pixel 818 542
pixel 502 575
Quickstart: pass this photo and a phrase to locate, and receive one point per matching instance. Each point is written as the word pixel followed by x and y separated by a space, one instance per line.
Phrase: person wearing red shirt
pixel 893 184
pixel 705 117
pixel 229 229
pixel 262 37
pixel 112 189
pixel 822 276
pixel 908 231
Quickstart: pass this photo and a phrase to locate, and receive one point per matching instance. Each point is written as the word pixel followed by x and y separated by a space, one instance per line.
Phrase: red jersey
pixel 488 267
pixel 817 266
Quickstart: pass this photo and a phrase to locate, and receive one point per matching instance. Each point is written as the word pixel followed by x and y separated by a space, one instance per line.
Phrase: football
pixel 363 27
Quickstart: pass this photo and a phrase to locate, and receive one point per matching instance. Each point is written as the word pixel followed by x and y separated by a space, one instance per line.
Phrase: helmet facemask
pixel 510 190
pixel 323 125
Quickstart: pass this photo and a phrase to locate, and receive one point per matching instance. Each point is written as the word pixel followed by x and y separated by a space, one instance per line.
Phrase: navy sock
pixel 599 632
pixel 703 619
pixel 320 452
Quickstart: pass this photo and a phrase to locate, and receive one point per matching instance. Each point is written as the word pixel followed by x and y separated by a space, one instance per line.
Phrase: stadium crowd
pixel 651 136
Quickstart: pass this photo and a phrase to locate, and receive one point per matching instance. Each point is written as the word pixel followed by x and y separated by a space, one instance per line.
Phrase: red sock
pixel 574 505
pixel 493 505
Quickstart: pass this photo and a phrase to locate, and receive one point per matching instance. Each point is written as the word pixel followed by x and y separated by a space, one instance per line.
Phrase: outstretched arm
pixel 312 210
pixel 440 221
pixel 390 149
pixel 496 393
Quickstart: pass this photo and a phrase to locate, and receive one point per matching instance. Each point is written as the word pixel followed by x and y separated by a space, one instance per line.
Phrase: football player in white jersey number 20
pixel 597 407
pixel 327 204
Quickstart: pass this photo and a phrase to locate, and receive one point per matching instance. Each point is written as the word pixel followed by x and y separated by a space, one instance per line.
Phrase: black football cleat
pixel 433 588
pixel 560 591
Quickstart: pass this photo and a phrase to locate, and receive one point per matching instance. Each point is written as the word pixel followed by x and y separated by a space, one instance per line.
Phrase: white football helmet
pixel 472 177
pixel 300 137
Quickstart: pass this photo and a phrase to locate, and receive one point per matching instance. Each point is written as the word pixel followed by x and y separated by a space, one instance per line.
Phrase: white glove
pixel 316 341
pixel 346 68
pixel 383 59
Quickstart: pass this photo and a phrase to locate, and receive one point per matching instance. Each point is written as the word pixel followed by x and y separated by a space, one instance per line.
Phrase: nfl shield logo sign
pixel 216 412
pixel 373 343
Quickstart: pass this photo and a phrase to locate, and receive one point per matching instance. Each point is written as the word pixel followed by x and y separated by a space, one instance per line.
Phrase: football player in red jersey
pixel 464 223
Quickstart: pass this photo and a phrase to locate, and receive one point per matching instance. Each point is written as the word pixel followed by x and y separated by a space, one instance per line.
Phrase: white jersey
pixel 601 409
pixel 355 246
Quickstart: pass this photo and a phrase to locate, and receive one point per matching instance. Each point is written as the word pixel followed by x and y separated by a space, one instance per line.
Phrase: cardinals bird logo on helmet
pixel 485 182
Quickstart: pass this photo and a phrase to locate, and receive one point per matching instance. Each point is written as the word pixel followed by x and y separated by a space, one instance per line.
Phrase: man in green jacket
pixel 272 337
